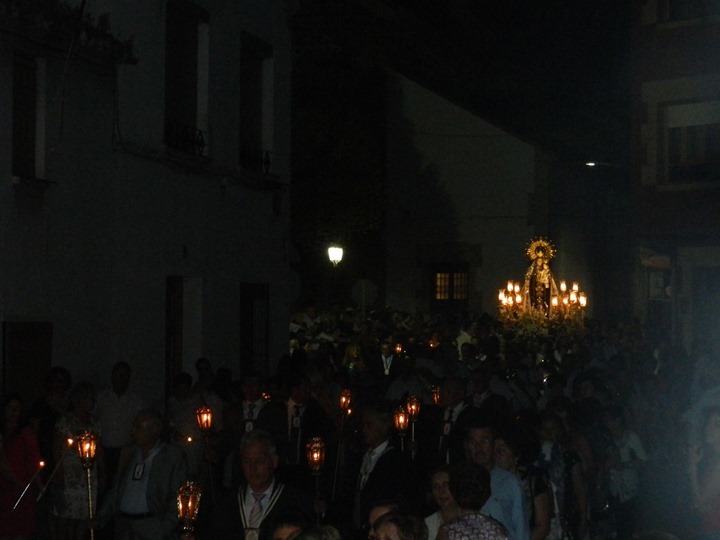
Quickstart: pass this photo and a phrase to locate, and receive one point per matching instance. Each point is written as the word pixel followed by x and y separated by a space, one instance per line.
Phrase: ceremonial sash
pixel 253 534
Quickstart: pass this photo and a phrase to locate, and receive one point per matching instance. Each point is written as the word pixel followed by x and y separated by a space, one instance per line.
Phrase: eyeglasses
pixel 476 443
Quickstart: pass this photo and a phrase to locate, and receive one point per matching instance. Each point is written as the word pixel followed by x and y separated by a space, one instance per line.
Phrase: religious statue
pixel 539 286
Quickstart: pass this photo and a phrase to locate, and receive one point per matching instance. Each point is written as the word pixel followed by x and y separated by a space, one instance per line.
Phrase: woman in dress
pixel 19 449
pixel 447 507
pixel 704 473
pixel 69 507
pixel 515 454
pixel 470 485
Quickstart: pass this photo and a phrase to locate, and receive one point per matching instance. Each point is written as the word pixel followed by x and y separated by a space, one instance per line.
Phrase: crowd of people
pixel 603 433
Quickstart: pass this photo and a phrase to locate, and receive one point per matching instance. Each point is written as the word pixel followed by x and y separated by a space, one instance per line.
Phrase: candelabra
pixel 537 303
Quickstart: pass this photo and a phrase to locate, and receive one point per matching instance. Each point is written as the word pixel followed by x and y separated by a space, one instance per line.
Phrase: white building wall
pixel 453 177
pixel 91 252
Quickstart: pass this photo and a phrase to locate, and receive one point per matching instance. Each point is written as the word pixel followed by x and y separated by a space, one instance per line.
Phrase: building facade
pixel 146 176
pixel 676 135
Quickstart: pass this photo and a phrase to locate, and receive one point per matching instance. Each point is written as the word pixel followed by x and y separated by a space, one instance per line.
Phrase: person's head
pixel 440 485
pixel 479 444
pixel 511 450
pixel 203 368
pixel 321 532
pixel 614 420
pixel 452 391
pixel 551 428
pixel 58 380
pixel 480 380
pixel 82 398
pixel 399 526
pixel 377 424
pixel 251 387
pixel 378 510
pixel 288 525
pixel 299 388
pixel 470 485
pixel 120 377
pixel 258 459
pixel 12 418
pixel 147 428
pixel 182 385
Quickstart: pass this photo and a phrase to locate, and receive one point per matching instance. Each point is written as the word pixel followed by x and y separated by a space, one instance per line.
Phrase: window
pixel 186 77
pixel 693 142
pixel 255 107
pixel 451 286
pixel 28 117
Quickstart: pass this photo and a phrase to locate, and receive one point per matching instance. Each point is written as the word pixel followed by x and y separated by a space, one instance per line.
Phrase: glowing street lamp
pixel 335 254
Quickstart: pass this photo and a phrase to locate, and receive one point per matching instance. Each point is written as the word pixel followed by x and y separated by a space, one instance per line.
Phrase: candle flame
pixel 70 442
pixel 189 439
pixel 41 464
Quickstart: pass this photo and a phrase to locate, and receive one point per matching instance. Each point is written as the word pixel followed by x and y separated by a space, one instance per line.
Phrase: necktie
pixel 295 436
pixel 251 411
pixel 365 470
pixel 447 427
pixel 256 511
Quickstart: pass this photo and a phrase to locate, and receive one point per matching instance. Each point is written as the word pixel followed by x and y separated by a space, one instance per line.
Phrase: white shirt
pixel 117 415
pixel 134 496
pixel 249 500
pixel 369 461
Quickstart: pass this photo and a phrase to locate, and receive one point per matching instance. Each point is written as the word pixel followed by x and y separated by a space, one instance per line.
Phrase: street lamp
pixel 335 254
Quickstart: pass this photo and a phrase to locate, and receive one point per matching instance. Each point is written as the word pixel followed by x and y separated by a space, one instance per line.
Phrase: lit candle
pixel 32 479
pixel 563 286
pixel 70 443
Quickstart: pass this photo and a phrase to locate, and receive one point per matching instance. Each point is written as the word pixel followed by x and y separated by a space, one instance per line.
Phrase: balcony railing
pixel 255 159
pixel 187 139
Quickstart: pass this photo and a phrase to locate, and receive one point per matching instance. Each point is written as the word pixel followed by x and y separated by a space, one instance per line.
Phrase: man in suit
pixel 292 423
pixel 143 499
pixel 251 510
pixel 441 429
pixel 384 471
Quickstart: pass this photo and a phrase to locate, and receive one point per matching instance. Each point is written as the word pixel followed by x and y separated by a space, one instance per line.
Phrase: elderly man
pixel 143 499
pixel 506 503
pixel 251 510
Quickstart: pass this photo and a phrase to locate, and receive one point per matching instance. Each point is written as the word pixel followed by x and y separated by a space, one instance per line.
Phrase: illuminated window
pixel 442 286
pixel 451 286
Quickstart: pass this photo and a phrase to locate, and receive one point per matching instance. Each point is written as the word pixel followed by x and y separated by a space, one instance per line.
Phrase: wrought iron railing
pixel 187 139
